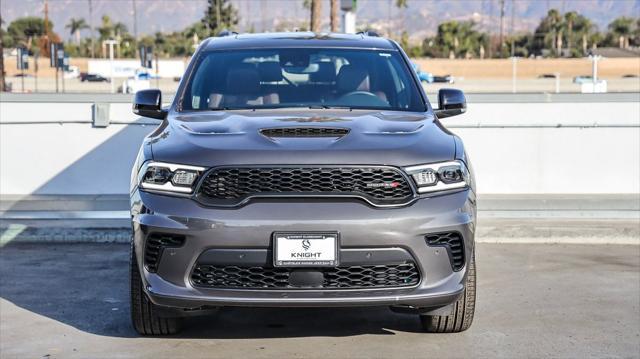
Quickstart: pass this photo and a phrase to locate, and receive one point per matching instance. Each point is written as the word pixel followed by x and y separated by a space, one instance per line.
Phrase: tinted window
pixel 301 77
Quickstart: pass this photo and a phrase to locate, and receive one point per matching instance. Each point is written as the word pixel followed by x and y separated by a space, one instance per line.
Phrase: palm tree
pixel 556 25
pixel 570 19
pixel 316 13
pixel 335 22
pixel 106 29
pixel 75 26
pixel 622 28
pixel 119 29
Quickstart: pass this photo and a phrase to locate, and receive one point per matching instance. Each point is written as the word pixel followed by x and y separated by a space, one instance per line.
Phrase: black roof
pixel 297 39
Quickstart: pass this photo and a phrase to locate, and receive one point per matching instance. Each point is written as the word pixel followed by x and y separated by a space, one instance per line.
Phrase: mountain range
pixel 419 19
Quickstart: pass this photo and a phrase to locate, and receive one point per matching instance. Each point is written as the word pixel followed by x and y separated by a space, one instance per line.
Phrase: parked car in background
pixel 92 77
pixel 547 76
pixel 72 73
pixel 140 81
pixel 582 79
pixel 444 79
pixel 425 77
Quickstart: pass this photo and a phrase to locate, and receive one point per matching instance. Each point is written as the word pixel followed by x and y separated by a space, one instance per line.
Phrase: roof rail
pixel 226 32
pixel 368 33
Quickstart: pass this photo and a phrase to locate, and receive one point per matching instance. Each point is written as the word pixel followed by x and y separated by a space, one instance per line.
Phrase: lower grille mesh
pixel 344 277
pixel 455 246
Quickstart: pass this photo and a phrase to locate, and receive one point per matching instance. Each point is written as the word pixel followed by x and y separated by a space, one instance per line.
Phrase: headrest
pixel 353 78
pixel 270 71
pixel 326 73
pixel 243 80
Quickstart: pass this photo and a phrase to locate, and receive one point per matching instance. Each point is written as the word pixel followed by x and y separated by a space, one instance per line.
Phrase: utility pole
pixel 111 43
pixel 2 83
pixel 491 22
pixel 46 18
pixel 93 55
pixel 513 39
pixel 46 22
pixel 501 25
pixel 218 25
pixel 135 21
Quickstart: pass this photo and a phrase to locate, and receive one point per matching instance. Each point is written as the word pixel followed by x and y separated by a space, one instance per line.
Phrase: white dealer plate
pixel 305 249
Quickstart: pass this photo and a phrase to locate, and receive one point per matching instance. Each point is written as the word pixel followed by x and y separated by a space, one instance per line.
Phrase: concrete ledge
pixel 593 219
pixel 495 205
pixel 577 231
pixel 537 97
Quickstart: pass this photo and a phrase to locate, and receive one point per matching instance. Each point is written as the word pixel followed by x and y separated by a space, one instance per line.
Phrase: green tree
pixel 548 34
pixel 457 39
pixel 24 30
pixel 582 31
pixel 402 4
pixel 220 15
pixel 75 26
pixel 105 30
pixel 620 31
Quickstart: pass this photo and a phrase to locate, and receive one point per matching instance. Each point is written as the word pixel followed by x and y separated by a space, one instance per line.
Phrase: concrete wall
pixel 518 143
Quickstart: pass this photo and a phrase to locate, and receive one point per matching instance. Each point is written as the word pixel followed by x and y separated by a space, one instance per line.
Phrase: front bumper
pixel 360 226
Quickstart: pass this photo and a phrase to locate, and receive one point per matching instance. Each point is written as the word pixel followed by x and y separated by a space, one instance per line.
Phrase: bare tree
pixel 335 20
pixel 316 15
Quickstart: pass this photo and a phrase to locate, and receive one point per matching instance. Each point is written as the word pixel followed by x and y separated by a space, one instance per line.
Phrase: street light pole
pixel 111 44
pixel 514 73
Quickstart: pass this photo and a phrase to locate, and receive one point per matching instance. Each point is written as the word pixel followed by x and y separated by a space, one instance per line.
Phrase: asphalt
pixel 550 300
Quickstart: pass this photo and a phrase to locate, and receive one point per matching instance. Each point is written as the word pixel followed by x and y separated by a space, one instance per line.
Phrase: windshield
pixel 301 77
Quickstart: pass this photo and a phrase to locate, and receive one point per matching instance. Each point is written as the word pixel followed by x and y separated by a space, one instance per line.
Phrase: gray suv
pixel 301 170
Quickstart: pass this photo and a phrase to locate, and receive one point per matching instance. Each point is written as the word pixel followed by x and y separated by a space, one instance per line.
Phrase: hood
pixel 242 138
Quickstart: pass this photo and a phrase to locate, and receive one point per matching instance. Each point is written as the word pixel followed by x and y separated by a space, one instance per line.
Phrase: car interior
pixel 299 78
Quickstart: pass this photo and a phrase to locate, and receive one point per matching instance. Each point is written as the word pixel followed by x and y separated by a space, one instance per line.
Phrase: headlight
pixel 169 177
pixel 439 176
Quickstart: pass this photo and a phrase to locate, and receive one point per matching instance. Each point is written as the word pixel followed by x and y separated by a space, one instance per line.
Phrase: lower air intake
pixel 454 244
pixel 155 245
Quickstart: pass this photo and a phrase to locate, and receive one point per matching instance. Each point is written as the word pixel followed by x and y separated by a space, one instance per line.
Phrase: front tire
pixel 463 309
pixel 144 314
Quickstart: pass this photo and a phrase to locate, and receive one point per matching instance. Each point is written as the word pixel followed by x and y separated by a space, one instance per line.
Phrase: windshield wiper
pixel 331 107
pixel 227 108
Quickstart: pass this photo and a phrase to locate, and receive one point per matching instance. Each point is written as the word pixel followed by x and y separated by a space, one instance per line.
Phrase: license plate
pixel 305 249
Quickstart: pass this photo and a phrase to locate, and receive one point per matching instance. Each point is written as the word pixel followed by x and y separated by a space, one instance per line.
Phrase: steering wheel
pixel 362 98
pixel 358 93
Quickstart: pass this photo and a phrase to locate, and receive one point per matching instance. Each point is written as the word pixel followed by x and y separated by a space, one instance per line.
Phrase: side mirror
pixel 148 103
pixel 451 102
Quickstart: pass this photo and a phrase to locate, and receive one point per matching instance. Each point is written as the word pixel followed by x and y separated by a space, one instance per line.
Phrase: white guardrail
pixel 519 143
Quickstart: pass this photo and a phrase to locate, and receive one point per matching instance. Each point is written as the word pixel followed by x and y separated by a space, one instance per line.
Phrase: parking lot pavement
pixel 578 301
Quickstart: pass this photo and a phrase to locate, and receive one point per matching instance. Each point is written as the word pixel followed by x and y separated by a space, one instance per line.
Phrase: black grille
pixel 346 277
pixel 156 243
pixel 454 244
pixel 305 132
pixel 379 185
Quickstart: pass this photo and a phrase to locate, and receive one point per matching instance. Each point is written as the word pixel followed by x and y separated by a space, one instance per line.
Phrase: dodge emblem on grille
pixel 393 184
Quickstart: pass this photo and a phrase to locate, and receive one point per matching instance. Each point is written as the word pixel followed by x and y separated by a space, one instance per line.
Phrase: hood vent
pixel 304 132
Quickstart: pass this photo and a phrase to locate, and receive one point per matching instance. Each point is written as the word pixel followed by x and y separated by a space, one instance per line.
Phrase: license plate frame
pixel 284 249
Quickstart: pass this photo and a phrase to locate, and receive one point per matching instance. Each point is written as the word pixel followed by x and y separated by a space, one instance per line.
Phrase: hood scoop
pixel 304 132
